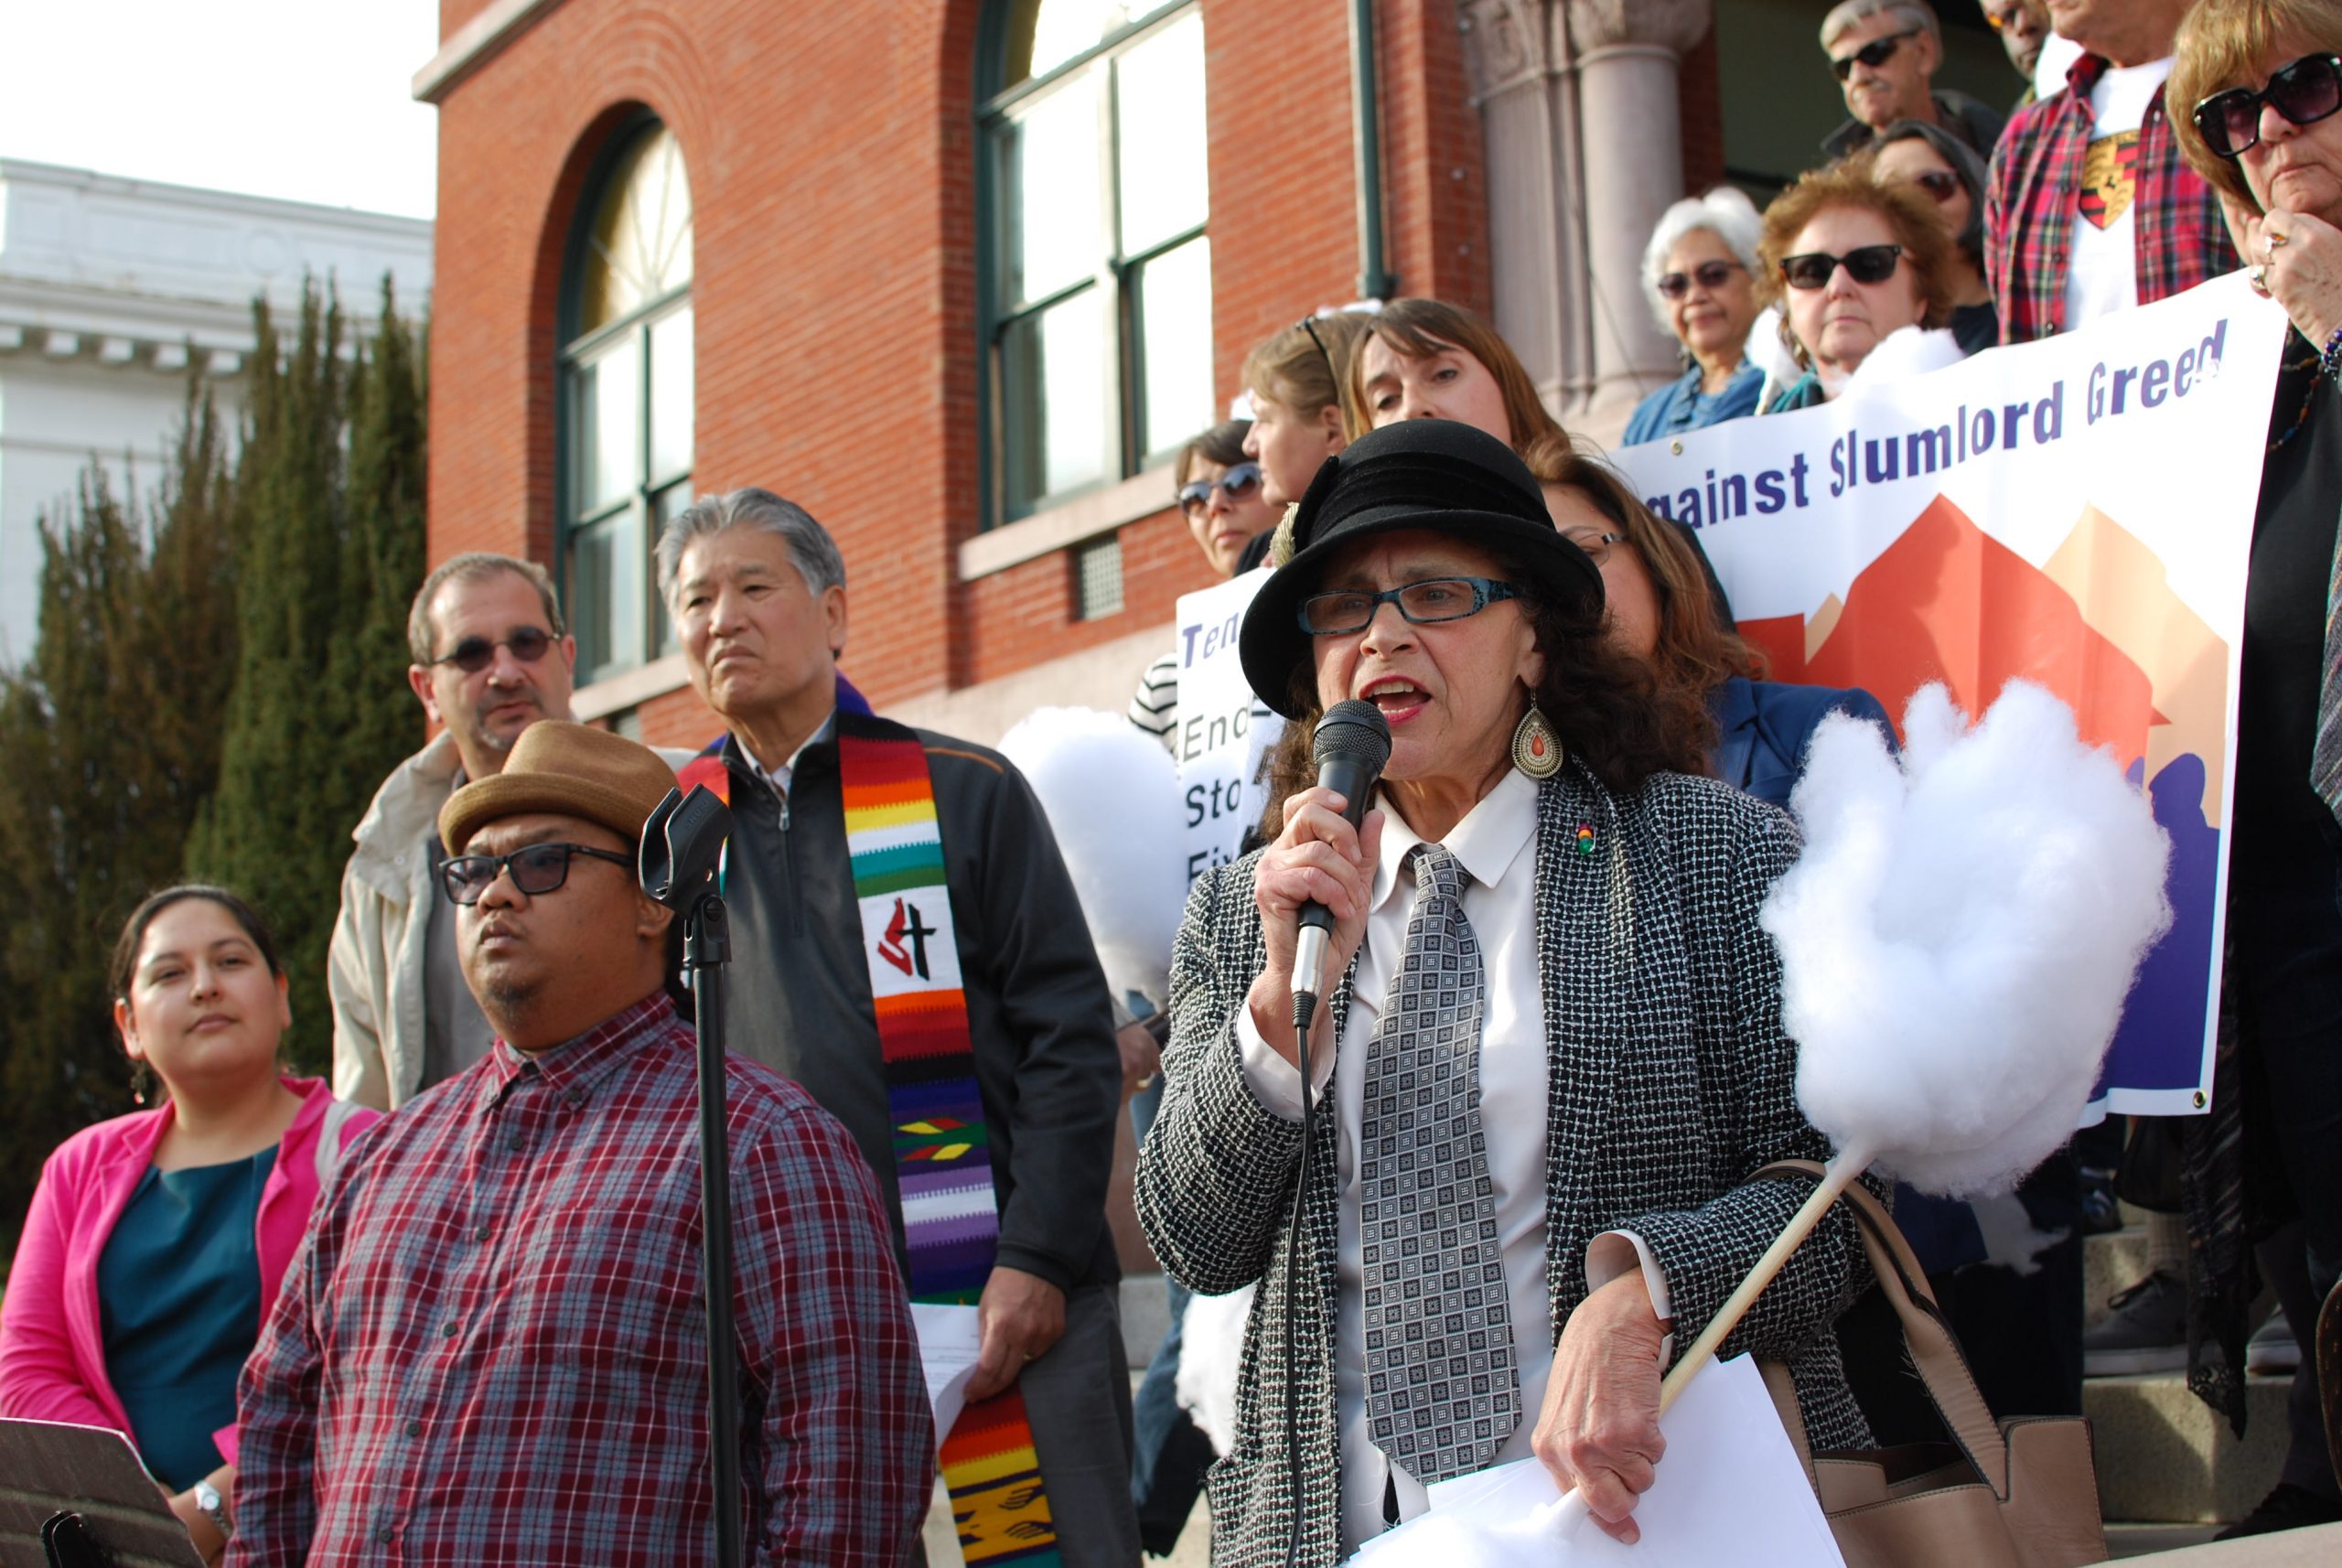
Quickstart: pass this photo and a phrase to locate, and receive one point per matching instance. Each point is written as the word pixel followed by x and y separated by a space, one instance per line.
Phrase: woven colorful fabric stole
pixel 942 1153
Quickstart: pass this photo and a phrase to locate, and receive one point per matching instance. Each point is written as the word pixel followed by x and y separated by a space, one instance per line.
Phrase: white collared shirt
pixel 779 777
pixel 1496 844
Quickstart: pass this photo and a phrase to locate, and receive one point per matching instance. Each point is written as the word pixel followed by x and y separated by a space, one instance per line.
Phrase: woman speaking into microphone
pixel 1550 1030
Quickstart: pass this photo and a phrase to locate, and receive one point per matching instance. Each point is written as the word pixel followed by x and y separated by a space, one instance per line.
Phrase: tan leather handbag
pixel 2020 1492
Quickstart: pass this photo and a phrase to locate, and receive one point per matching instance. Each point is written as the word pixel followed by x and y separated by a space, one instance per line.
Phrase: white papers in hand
pixel 1730 1490
pixel 948 1340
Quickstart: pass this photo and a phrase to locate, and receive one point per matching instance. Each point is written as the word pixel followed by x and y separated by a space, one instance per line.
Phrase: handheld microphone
pixel 1350 744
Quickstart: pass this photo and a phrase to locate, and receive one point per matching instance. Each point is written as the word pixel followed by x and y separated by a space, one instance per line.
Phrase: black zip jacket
pixel 1038 1008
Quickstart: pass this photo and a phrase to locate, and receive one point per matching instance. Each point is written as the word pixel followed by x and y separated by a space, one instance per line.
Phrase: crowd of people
pixel 455 1298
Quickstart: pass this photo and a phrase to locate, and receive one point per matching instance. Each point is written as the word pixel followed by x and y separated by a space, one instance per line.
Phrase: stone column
pixel 1629 54
pixel 1578 105
pixel 1517 54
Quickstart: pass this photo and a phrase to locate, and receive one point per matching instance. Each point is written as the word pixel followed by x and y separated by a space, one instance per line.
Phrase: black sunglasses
pixel 2305 91
pixel 475 654
pixel 536 868
pixel 1873 54
pixel 1709 276
pixel 1240 481
pixel 1864 264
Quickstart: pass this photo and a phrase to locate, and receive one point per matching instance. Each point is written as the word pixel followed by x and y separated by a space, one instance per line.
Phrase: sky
pixel 308 100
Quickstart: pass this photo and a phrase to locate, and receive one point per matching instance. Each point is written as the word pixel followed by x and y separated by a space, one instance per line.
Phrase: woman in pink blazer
pixel 157 1240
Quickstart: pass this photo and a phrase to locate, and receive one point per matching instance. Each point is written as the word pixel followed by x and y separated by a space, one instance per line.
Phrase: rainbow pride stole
pixel 942 1153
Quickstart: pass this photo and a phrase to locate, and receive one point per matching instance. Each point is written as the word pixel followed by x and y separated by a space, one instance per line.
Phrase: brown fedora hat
pixel 573 769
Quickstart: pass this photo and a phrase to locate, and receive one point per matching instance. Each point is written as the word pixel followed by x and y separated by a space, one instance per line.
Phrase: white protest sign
pixel 1224 730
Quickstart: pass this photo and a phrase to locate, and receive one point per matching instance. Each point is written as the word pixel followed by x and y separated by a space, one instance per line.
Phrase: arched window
pixel 627 403
pixel 1097 271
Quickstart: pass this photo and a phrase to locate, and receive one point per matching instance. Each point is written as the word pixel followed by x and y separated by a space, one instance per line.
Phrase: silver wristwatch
pixel 208 1498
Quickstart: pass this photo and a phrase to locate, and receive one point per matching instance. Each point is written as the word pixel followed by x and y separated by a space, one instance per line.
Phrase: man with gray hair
pixel 1886 54
pixel 491 656
pixel 907 945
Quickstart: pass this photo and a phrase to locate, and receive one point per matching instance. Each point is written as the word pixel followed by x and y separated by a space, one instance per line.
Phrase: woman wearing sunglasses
pixel 1699 274
pixel 1850 261
pixel 2264 81
pixel 1948 173
pixel 156 1241
pixel 1222 494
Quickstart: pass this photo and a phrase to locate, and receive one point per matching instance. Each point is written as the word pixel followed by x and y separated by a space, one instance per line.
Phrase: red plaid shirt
pixel 492 1347
pixel 2029 210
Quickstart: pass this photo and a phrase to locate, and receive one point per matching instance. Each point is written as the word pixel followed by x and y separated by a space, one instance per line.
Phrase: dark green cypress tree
pixel 383 558
pixel 330 500
pixel 111 734
pixel 268 832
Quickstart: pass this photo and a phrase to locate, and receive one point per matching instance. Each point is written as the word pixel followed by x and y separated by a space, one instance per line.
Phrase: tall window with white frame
pixel 626 401
pixel 1098 270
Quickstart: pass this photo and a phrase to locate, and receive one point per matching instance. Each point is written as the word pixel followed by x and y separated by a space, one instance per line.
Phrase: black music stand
pixel 77 1496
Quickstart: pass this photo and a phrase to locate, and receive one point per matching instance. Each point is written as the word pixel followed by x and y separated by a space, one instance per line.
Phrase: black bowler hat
pixel 1430 474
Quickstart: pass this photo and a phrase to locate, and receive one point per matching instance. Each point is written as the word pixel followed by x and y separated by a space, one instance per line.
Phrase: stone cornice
pixel 472 45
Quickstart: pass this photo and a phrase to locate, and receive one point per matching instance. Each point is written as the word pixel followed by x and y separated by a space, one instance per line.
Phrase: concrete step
pixel 2144 1540
pixel 2165 1458
pixel 2317 1548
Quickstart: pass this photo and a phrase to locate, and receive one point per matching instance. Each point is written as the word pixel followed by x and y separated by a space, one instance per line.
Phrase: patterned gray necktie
pixel 1440 1385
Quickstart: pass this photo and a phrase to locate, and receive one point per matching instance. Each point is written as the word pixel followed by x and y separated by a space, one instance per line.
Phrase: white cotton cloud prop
pixel 1959 934
pixel 1906 353
pixel 1212 1353
pixel 1113 797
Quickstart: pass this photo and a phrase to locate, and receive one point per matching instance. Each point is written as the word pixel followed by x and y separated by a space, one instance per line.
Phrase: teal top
pixel 179 1308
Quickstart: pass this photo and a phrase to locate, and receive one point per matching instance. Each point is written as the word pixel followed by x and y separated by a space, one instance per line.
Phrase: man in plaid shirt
pixel 492 1347
pixel 2091 209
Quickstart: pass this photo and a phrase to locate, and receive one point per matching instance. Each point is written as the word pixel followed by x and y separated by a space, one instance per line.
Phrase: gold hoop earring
pixel 1536 749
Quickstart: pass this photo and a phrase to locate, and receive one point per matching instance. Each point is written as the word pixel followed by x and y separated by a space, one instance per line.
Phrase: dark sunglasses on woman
pixel 1864 264
pixel 1873 54
pixel 1236 483
pixel 1709 276
pixel 2305 91
pixel 1941 184
pixel 475 654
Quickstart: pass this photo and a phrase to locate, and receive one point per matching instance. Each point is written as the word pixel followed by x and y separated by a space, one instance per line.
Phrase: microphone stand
pixel 682 849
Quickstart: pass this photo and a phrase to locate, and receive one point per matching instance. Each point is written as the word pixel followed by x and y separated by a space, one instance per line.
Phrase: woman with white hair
pixel 1699 271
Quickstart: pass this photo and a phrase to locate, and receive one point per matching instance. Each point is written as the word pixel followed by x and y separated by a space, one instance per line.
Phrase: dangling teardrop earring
pixel 142 1082
pixel 1536 749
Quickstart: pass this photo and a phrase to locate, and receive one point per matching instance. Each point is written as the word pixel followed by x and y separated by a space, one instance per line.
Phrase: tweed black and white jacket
pixel 1671 1082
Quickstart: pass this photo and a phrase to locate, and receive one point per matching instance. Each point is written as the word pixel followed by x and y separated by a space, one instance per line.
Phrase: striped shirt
pixel 493 1346
pixel 1154 706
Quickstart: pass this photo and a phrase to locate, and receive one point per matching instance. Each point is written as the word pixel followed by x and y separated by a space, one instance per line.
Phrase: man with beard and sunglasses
pixel 492 656
pixel 1884 54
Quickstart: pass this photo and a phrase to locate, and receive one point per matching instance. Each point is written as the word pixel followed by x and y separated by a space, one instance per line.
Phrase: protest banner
pixel 1223 729
pixel 2076 512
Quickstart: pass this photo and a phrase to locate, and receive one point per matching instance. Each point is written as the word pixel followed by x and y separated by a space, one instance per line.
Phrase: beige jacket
pixel 374 969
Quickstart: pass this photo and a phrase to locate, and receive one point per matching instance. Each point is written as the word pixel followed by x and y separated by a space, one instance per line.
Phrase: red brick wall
pixel 1434 205
pixel 1701 111
pixel 831 151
